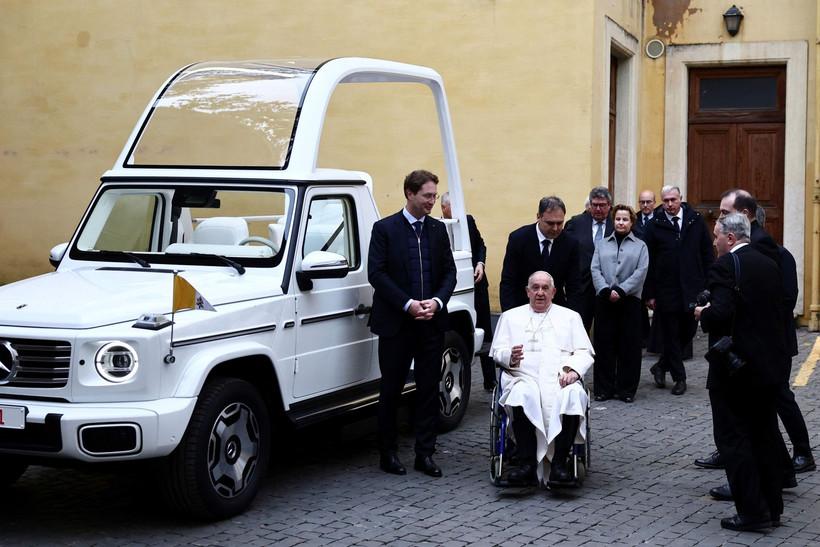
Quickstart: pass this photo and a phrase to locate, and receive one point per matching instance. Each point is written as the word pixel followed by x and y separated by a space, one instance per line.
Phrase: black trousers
pixel 484 321
pixel 422 342
pixel 792 419
pixel 617 368
pixel 746 433
pixel 677 331
pixel 525 437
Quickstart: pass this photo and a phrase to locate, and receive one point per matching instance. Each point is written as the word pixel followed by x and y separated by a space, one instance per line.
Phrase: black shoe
pixel 679 388
pixel 746 524
pixel 426 465
pixel 523 475
pixel 802 464
pixel 776 521
pixel 712 461
pixel 602 397
pixel 627 398
pixel 389 463
pixel 789 481
pixel 722 493
pixel 658 374
pixel 559 474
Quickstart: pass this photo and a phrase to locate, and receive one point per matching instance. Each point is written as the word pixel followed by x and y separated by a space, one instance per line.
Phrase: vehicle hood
pixel 94 297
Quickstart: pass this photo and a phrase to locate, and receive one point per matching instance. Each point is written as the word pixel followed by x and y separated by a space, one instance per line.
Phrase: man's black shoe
pixel 559 475
pixel 679 388
pixel 789 481
pixel 802 464
pixel 658 374
pixel 389 463
pixel 746 524
pixel 722 493
pixel 627 398
pixel 602 397
pixel 712 461
pixel 523 475
pixel 426 465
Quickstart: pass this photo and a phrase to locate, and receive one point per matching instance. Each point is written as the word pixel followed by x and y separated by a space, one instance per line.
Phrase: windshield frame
pixel 288 188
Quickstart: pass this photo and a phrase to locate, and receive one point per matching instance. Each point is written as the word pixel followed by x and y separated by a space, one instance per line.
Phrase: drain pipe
pixel 814 308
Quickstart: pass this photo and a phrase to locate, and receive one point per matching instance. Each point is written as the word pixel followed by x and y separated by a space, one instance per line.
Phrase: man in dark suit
pixel 481 294
pixel 680 253
pixel 745 304
pixel 587 228
pixel 741 201
pixel 411 268
pixel 542 246
pixel 646 210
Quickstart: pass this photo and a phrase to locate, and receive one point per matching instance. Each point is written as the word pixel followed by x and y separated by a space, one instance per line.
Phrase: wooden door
pixel 737 123
pixel 613 120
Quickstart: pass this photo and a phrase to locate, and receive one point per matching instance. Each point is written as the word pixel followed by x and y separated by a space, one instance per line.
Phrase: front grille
pixel 41 363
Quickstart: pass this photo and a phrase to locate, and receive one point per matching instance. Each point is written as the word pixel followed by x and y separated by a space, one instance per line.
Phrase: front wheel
pixel 11 469
pixel 454 383
pixel 217 469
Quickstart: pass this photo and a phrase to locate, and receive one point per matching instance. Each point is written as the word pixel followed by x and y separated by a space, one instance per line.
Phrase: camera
pixel 721 352
pixel 701 299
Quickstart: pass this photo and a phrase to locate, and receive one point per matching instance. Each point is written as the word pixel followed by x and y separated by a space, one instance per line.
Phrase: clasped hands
pixel 423 310
pixel 565 378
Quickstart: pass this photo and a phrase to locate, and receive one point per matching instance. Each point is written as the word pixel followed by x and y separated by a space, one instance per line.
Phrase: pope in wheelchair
pixel 543 351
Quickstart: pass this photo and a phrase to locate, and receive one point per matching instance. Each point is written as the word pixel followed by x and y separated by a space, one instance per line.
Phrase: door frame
pixel 794 55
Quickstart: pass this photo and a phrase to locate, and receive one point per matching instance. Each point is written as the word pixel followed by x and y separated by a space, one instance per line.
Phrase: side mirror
pixel 321 265
pixel 56 254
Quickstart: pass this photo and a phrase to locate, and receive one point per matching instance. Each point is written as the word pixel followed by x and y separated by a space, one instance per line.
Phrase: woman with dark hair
pixel 619 267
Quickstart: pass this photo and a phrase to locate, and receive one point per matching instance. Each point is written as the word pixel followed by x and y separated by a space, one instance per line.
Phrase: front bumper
pixel 54 429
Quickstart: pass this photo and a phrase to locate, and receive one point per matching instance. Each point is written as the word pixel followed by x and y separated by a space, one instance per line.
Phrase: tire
pixel 11 469
pixel 219 465
pixel 454 383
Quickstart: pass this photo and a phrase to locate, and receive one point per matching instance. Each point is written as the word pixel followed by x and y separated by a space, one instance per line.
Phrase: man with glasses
pixel 646 210
pixel 542 246
pixel 411 268
pixel 588 228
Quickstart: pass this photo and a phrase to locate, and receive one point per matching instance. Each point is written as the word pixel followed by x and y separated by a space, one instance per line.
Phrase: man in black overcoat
pixel 680 252
pixel 411 268
pixel 587 228
pixel 542 246
pixel 745 304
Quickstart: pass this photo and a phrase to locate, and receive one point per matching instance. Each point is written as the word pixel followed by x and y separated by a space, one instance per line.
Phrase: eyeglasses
pixel 603 205
pixel 646 201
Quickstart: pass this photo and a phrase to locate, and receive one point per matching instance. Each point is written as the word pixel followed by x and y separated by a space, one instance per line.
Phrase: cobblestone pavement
pixel 327 489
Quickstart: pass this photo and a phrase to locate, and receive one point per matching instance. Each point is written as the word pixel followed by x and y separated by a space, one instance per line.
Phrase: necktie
pixel 675 221
pixel 545 251
pixel 645 219
pixel 417 227
pixel 599 231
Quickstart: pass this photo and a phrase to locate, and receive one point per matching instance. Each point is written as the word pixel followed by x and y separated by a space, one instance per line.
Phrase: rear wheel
pixel 11 469
pixel 217 469
pixel 454 383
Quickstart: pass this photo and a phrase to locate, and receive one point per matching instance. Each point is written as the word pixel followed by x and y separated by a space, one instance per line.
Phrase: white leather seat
pixel 276 233
pixel 221 231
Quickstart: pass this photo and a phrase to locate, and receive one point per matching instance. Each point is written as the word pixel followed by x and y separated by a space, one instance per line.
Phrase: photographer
pixel 745 371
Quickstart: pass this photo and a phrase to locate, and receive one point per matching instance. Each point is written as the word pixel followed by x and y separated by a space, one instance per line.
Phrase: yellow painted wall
pixel 75 75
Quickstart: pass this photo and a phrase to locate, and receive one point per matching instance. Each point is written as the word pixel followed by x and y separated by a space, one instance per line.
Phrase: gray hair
pixel 539 272
pixel 550 203
pixel 737 224
pixel 445 198
pixel 669 188
pixel 600 192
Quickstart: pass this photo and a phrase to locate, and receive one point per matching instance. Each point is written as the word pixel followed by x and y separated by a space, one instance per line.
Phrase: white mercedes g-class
pixel 216 284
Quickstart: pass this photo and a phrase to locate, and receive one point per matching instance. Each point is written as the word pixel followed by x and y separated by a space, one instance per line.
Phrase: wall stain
pixel 668 15
pixel 83 38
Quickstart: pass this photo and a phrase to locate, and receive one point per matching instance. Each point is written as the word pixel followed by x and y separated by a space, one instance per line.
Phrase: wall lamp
pixel 732 19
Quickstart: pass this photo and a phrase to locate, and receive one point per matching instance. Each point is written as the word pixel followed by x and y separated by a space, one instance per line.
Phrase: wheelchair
pixel 502 446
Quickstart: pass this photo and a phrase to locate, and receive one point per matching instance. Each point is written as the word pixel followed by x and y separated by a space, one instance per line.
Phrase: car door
pixel 334 345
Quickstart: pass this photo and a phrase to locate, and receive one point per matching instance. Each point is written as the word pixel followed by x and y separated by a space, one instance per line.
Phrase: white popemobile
pixel 216 190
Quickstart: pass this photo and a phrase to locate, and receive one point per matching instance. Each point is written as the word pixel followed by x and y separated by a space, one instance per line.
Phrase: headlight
pixel 116 361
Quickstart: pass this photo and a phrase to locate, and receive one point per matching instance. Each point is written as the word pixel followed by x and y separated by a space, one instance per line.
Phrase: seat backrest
pixel 276 233
pixel 221 231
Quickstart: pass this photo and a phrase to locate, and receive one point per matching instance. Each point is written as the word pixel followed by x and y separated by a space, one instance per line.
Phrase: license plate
pixel 12 417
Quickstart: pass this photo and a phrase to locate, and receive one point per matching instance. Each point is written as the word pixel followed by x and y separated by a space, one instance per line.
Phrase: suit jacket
pixel 579 228
pixel 751 315
pixel 639 229
pixel 678 262
pixel 523 257
pixel 478 247
pixel 763 242
pixel 388 273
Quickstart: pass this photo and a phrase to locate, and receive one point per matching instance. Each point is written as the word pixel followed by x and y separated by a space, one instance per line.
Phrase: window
pixel 127 226
pixel 331 227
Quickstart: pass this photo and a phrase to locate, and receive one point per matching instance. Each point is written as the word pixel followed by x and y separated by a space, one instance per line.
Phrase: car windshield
pixel 186 224
pixel 230 114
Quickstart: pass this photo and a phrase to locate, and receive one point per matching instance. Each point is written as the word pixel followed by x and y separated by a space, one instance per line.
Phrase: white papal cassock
pixel 554 341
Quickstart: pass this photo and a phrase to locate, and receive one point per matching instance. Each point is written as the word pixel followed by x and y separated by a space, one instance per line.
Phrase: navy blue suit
pixel 403 339
pixel 579 228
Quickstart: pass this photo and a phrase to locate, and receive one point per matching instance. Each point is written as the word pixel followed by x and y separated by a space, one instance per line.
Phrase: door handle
pixel 361 309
